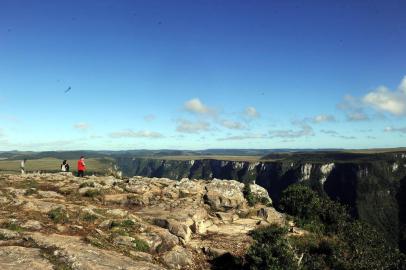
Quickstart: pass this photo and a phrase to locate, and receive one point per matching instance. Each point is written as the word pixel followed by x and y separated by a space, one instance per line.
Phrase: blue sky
pixel 202 74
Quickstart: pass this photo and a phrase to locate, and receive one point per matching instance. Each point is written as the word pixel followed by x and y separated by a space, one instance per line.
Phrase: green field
pixel 94 165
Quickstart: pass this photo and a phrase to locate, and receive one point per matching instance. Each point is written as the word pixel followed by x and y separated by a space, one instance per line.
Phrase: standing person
pixel 81 166
pixel 65 166
pixel 23 166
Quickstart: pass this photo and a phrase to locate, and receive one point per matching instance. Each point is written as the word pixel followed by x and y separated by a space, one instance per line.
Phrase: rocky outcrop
pixel 369 184
pixel 50 222
pixel 17 258
pixel 78 255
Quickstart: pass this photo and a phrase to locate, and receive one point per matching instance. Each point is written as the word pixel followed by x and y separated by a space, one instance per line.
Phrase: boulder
pixel 226 217
pixel 200 227
pixel 81 256
pixel 178 258
pixel 8 235
pixel 181 230
pixel 17 258
pixel 32 225
pixel 168 240
pixel 126 241
pixel 260 192
pixel 117 213
pixel 214 252
pixel 224 195
pixel 271 215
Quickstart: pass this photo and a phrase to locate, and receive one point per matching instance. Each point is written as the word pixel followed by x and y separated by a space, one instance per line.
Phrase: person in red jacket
pixel 81 166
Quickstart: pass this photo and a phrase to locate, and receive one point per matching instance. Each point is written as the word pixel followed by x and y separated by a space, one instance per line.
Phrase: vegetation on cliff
pixel 335 241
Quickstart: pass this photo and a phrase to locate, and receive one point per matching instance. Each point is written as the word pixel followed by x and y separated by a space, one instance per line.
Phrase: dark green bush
pixel 271 250
pixel 311 211
pixel 92 193
pixel 339 242
pixel 58 215
pixel 248 195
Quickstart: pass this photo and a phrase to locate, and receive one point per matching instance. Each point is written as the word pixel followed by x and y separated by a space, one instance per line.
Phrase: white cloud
pixel 357 116
pixel 323 118
pixel 402 86
pixel 186 126
pixel 251 112
pixel 350 103
pixel 81 126
pixel 196 106
pixel 347 137
pixel 231 124
pixel 136 134
pixel 382 99
pixel 354 108
pixel 149 117
pixel 247 136
pixel 393 129
pixel 304 131
pixel 329 132
pixel 335 134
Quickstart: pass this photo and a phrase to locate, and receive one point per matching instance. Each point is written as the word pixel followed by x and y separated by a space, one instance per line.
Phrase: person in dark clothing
pixel 65 166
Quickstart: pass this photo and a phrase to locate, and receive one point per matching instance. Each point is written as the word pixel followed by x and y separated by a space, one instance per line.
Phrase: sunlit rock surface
pixel 52 221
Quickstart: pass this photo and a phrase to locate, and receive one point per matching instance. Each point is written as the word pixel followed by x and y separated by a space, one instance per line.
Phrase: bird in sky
pixel 67 90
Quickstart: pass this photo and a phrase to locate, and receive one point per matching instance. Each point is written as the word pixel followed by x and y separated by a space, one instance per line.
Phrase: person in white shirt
pixel 23 166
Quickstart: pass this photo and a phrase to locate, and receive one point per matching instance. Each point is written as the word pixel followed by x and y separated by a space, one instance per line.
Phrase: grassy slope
pixel 97 165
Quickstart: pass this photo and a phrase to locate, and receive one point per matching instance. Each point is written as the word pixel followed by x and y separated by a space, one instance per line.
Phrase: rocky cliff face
pixel 370 187
pixel 58 221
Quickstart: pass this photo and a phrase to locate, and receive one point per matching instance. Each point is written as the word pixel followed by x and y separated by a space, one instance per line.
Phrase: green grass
pixel 91 193
pixel 89 217
pixel 87 184
pixel 14 227
pixel 140 245
pixel 97 165
pixel 58 215
pixel 31 191
pixel 124 224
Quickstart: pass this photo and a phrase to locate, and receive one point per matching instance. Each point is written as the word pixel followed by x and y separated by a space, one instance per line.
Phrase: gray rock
pixel 214 252
pixel 17 258
pixel 142 256
pixel 50 194
pixel 168 240
pixel 7 234
pixel 224 195
pixel 260 192
pixel 81 256
pixel 178 258
pixel 271 215
pixel 32 225
pixel 181 230
pixel 117 213
pixel 124 241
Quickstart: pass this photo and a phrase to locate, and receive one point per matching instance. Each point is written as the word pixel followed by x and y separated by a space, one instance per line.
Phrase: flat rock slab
pixel 238 227
pixel 82 256
pixel 17 258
